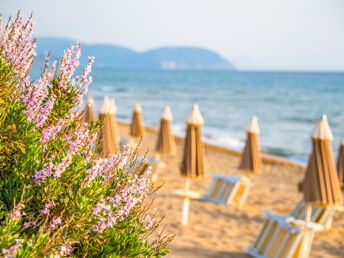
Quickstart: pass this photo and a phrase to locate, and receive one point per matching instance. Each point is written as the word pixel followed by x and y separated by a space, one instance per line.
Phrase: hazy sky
pixel 269 34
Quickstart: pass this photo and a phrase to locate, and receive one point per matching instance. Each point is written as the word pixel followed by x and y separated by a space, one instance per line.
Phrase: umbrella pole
pixel 186 201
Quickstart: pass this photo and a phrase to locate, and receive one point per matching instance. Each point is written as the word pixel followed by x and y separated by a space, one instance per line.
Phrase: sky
pixel 253 34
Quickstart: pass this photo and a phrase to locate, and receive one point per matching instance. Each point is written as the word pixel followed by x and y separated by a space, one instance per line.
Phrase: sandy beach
pixel 221 231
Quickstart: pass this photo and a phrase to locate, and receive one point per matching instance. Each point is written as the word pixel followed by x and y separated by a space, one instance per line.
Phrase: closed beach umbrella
pixel 193 164
pixel 321 184
pixel 193 159
pixel 340 163
pixel 166 143
pixel 250 159
pixel 136 127
pixel 109 132
pixel 89 115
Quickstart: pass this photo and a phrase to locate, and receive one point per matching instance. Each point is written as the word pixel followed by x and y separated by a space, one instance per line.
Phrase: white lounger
pixel 283 238
pixel 320 215
pixel 229 190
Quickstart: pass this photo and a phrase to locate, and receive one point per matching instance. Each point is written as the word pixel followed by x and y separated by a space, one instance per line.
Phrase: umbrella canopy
pixel 109 132
pixel 340 163
pixel 193 165
pixel 136 128
pixel 166 143
pixel 250 159
pixel 89 115
pixel 321 184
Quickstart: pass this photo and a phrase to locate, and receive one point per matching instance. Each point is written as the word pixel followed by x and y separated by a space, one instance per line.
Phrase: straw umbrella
pixel 136 127
pixel 340 163
pixel 166 143
pixel 89 115
pixel 193 164
pixel 250 159
pixel 321 185
pixel 109 132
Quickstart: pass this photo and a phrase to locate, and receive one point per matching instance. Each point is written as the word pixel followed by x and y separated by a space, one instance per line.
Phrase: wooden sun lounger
pixel 229 190
pixel 283 238
pixel 155 165
pixel 320 215
pixel 125 142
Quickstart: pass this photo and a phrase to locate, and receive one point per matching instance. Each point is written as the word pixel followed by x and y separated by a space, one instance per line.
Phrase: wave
pixel 121 89
pixel 221 138
pixel 213 136
pixel 302 119
pixel 107 88
pixel 112 89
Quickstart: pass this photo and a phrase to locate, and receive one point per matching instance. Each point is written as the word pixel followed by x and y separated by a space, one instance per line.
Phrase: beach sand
pixel 221 231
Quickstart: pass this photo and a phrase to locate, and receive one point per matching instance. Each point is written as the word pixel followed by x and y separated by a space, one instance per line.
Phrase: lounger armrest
pixel 310 225
pixel 274 215
pixel 340 208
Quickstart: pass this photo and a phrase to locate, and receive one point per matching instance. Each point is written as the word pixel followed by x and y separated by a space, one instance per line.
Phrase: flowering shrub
pixel 57 197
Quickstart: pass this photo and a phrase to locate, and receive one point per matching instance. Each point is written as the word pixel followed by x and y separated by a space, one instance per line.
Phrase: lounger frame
pixel 228 190
pixel 281 238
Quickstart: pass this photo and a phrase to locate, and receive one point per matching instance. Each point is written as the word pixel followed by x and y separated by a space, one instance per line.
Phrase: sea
pixel 287 104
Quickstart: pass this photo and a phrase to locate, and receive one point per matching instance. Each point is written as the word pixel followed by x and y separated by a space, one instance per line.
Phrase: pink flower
pixel 66 249
pixel 50 132
pixel 55 222
pixel 47 207
pixel 17 212
pixel 40 175
pixel 112 209
pixel 11 252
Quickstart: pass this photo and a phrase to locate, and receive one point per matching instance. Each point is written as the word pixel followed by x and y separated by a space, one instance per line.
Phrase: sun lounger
pixel 280 237
pixel 320 215
pixel 124 142
pixel 229 190
pixel 154 164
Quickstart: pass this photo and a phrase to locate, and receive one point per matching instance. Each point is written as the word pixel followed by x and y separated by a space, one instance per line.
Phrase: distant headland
pixel 117 57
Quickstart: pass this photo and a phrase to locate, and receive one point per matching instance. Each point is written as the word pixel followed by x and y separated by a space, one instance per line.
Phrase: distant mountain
pixel 112 56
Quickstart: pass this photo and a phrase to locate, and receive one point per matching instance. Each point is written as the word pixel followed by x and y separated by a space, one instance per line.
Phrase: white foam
pixel 212 136
pixel 221 138
pixel 107 88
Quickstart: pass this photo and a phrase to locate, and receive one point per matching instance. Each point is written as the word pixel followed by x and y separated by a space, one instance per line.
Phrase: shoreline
pixel 266 158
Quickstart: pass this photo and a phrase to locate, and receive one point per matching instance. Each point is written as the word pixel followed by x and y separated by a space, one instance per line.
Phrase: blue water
pixel 287 104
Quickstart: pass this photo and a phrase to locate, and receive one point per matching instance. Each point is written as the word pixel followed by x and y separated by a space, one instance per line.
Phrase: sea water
pixel 287 104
